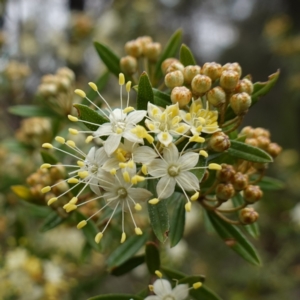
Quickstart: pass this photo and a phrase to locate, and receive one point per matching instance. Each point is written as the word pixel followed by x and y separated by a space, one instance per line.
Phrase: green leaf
pixel 22 192
pixel 87 114
pixel 234 238
pixel 110 59
pixel 170 51
pixel 160 98
pixel 177 219
pixel 158 214
pixel 186 56
pixel 48 158
pixel 202 162
pixel 128 265
pixel 204 293
pixel 52 221
pixel 31 111
pixel 152 257
pixel 126 250
pixel 116 297
pixel 269 183
pixel 249 153
pixel 145 93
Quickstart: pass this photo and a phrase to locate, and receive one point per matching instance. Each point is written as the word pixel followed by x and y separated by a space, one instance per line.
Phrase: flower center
pixel 168 297
pixel 122 193
pixel 173 171
pixel 94 168
pixel 119 127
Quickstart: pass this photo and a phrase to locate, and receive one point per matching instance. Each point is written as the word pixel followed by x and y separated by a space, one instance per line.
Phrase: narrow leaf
pixel 145 93
pixel 116 297
pixel 52 221
pixel 31 111
pixel 152 257
pixel 110 59
pixel 186 56
pixel 22 191
pixel 48 158
pixel 160 98
pixel 234 239
pixel 128 265
pixel 249 153
pixel 269 183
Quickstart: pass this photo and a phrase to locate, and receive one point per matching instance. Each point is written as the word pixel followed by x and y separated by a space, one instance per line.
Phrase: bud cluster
pixel 16 71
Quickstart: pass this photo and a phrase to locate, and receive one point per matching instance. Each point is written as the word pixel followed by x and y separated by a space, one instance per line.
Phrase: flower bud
pixel 212 70
pixel 240 103
pixel 175 66
pixel 244 86
pixel 133 48
pixel 167 62
pixel 200 84
pixel 248 215
pixel 144 41
pixel 233 66
pixel 219 142
pixel 174 79
pixel 229 80
pixel 263 142
pixel 252 193
pixel 189 72
pixel 224 191
pixel 240 181
pixel 216 96
pixel 226 173
pixel 252 142
pixel 66 72
pixel 274 149
pixel 152 51
pixel 128 64
pixel 248 131
pixel 181 95
pixel 259 131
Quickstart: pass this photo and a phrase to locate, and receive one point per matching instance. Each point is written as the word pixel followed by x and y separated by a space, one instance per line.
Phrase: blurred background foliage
pixel 38 38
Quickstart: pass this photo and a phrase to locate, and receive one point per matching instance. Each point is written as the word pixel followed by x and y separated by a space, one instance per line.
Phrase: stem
pixel 232 209
pixel 227 220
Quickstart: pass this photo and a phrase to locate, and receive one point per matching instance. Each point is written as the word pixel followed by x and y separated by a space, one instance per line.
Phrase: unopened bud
pixel 226 174
pixel 175 66
pixel 248 131
pixel 216 96
pixel 240 181
pixel 189 72
pixel 181 95
pixel 212 70
pixel 263 142
pixel 252 193
pixel 144 41
pixel 174 79
pixel 248 215
pixel 224 191
pixel 252 142
pixel 229 80
pixel 167 62
pixel 233 66
pixel 259 131
pixel 133 48
pixel 240 103
pixel 152 51
pixel 200 84
pixel 219 142
pixel 274 149
pixel 128 64
pixel 244 86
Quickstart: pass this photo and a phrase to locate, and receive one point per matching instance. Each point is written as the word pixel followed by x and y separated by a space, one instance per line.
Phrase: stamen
pixel 188 206
pixel 138 231
pixel 214 166
pixel 153 201
pixel 52 200
pixel 60 139
pixel 45 166
pixel 81 224
pixel 138 207
pixel 123 238
pixel 158 274
pixel 203 153
pixel 89 139
pixel 80 93
pixel 98 237
pixel 72 118
pixel 47 146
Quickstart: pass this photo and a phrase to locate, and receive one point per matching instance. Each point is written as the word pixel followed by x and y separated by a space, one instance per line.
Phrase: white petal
pixel 91 155
pixel 171 154
pixel 161 287
pixel 106 180
pixel 139 194
pixel 103 130
pixel 94 186
pixel 166 142
pixel 158 168
pixel 188 181
pixel 150 110
pixel 152 298
pixel 101 156
pixel 112 143
pixel 117 115
pixel 165 187
pixel 181 291
pixel 144 154
pixel 188 160
pixel 112 163
pixel 132 137
pixel 136 116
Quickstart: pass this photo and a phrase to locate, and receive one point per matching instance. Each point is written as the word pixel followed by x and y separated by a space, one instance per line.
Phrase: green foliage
pixel 128 265
pixel 186 56
pixel 145 93
pixel 152 257
pixel 52 221
pixel 116 297
pixel 160 98
pixel 32 111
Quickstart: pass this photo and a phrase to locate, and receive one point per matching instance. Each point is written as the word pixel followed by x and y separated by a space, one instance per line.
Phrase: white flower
pixel 163 291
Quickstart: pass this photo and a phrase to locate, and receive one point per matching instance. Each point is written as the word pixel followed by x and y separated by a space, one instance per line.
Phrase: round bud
pixel 219 142
pixel 226 173
pixel 248 131
pixel 212 70
pixel 181 95
pixel 259 131
pixel 263 142
pixel 244 86
pixel 240 103
pixel 248 215
pixel 152 51
pixel 274 149
pixel 167 62
pixel 128 64
pixel 189 72
pixel 175 66
pixel 216 96
pixel 144 41
pixel 174 79
pixel 233 66
pixel 224 191
pixel 200 84
pixel 240 181
pixel 133 48
pixel 229 80
pixel 252 193
pixel 47 90
pixel 252 142
pixel 66 72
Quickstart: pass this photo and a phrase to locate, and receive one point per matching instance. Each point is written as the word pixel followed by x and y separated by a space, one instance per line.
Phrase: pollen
pixel 52 200
pixel 113 171
pixel 128 86
pixel 119 130
pixel 70 207
pixel 80 93
pixel 60 139
pixel 121 79
pixel 153 201
pixel 145 169
pixel 93 86
pixel 89 139
pixel 122 165
pixel 149 138
pixel 203 153
pixel 123 238
pixel 73 131
pixel 126 176
pixel 81 224
pixel 80 163
pixel 188 206
pixel 45 189
pixel 45 166
pixel 128 109
pixel 71 143
pixel 83 174
pixel 138 231
pixel 158 274
pixel 214 166
pixel 197 285
pixel 131 164
pixel 195 196
pixel 98 237
pixel 72 118
pixel 74 200
pixel 138 207
pixel 73 180
pixel 47 146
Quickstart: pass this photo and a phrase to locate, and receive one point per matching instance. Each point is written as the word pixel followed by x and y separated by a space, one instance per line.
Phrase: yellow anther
pixel 180 129
pixel 134 180
pixel 151 287
pixel 71 143
pixel 155 111
pixel 203 153
pixel 122 165
pixel 83 174
pixel 46 189
pixel 131 164
pixel 47 145
pixel 165 136
pixel 151 126
pixel 188 206
pixel 174 110
pixel 163 117
pixel 69 207
pixel 113 171
pixel 128 109
pixel 74 200
pixel 188 117
pixel 98 237
pixel 73 131
pixel 201 120
pixel 119 130
pixel 80 93
pixel 72 118
pixel 120 156
pixel 158 274
pixel 153 201
pixel 126 176
pixel 199 129
pixel 145 169
pixel 138 231
pixel 139 178
pixel 128 86
pixel 89 139
pixel 197 285
pixel 73 180
pixel 60 139
pixel 81 224
pixel 149 138
pixel 123 238
pixel 80 163
pixel 93 86
pixel 121 79
pixel 175 120
pixel 195 196
pixel 45 166
pixel 52 200
pixel 197 139
pixel 138 207
pixel 214 166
